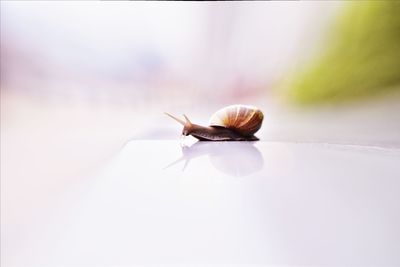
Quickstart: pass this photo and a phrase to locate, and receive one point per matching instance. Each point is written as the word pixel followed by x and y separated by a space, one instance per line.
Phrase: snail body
pixel 232 123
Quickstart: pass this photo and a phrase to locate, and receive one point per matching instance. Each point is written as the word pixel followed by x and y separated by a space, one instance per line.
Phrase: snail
pixel 231 123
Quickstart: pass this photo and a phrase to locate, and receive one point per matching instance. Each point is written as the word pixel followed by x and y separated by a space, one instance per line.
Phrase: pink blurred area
pixel 150 56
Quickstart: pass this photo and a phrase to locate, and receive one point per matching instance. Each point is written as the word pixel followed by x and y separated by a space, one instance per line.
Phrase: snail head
pixel 187 125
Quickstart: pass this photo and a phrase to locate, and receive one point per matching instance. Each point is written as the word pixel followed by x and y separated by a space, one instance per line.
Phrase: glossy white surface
pixel 247 204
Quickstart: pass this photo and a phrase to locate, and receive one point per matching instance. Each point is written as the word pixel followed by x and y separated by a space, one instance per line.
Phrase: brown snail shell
pixel 243 119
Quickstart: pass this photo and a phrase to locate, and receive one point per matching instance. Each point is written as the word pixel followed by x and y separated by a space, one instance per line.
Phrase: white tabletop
pixel 230 203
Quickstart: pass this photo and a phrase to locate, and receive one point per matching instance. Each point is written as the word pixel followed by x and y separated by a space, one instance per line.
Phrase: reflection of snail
pixel 232 123
pixel 234 159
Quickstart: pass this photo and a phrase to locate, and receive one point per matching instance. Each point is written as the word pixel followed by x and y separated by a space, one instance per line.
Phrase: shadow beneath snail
pixel 232 158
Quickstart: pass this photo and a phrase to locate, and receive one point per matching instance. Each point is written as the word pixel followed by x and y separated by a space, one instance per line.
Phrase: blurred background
pixel 321 72
pixel 80 79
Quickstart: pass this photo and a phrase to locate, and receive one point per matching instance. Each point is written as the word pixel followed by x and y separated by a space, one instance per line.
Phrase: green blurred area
pixel 360 57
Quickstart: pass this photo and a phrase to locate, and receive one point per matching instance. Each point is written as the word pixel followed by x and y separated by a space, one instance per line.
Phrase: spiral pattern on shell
pixel 244 119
